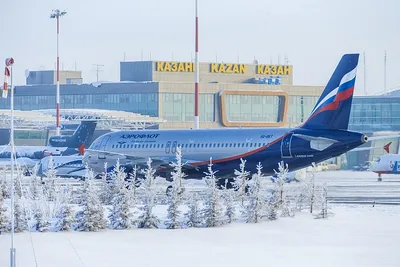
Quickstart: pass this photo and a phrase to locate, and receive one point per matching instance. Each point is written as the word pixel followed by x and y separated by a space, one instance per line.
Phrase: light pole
pixel 57 14
pixel 196 75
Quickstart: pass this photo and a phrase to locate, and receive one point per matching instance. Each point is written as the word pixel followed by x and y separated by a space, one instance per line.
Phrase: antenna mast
pixel 97 70
pixel 384 72
pixel 365 75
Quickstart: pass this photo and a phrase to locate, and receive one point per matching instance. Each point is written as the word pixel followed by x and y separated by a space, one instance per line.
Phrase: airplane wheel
pixel 379 179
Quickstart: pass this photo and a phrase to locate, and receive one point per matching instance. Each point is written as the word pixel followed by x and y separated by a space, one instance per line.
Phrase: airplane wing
pixel 374 138
pixel 157 162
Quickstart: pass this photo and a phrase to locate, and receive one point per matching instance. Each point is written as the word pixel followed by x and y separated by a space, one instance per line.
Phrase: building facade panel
pixel 253 108
pixel 139 71
pixel 172 71
pixel 133 97
pixel 369 114
pixel 44 77
pixel 40 77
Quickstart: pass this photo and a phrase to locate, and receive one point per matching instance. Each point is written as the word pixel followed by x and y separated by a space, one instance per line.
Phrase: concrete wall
pixel 67 74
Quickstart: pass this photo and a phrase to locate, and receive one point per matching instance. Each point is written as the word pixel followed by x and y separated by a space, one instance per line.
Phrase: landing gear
pixel 169 189
pixel 379 178
pixel 225 183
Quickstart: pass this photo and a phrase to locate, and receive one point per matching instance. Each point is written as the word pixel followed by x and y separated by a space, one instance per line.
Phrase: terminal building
pixel 231 95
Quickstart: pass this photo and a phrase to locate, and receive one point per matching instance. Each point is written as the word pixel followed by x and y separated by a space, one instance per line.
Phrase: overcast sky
pixel 313 34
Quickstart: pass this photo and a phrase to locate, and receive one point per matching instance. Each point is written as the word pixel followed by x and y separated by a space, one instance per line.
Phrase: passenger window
pixel 259 144
pixel 234 145
pixel 251 144
pixel 112 146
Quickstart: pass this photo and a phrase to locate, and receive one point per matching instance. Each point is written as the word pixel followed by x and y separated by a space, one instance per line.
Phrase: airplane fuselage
pixel 225 146
pixel 387 164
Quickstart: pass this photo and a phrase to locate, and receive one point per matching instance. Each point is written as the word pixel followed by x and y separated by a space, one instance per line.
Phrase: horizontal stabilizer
pixel 316 142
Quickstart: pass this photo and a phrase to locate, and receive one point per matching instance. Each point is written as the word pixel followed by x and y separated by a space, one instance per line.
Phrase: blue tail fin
pixel 332 110
pixel 81 136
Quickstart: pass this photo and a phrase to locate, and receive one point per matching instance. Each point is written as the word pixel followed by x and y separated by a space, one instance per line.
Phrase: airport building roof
pixel 107 119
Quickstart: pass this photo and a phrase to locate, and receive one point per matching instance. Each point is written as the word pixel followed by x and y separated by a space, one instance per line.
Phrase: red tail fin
pixel 387 146
pixel 81 149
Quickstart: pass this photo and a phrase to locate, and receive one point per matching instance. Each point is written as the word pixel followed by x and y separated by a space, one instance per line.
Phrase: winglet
pixel 387 146
pixel 81 149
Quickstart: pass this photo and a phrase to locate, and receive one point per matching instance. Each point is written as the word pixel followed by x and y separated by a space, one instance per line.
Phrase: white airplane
pixel 61 145
pixel 66 166
pixel 324 135
pixel 386 164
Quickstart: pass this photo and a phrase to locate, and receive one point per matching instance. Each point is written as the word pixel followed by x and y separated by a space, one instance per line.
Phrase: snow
pixel 355 236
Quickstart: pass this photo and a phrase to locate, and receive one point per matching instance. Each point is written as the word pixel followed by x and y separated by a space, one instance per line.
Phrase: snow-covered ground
pixel 356 236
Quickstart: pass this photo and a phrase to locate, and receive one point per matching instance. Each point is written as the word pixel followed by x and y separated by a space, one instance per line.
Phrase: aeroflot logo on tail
pixel 139 136
pixel 59 140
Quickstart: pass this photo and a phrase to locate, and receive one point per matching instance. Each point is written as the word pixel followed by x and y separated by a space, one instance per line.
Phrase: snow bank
pixel 355 236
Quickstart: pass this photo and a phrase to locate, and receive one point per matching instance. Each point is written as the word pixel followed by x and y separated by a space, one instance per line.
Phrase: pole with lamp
pixel 57 14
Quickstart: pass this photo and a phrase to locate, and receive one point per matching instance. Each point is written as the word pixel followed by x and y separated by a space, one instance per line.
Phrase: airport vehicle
pixel 324 135
pixel 63 145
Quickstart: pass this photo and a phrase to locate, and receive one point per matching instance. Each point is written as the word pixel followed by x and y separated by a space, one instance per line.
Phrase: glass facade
pixel 144 103
pixel 180 107
pixel 253 108
pixel 300 108
pixel 371 114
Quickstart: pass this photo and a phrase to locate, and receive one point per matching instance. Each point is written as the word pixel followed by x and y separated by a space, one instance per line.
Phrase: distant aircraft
pixel 63 145
pixel 324 135
pixel 386 164
pixel 67 166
